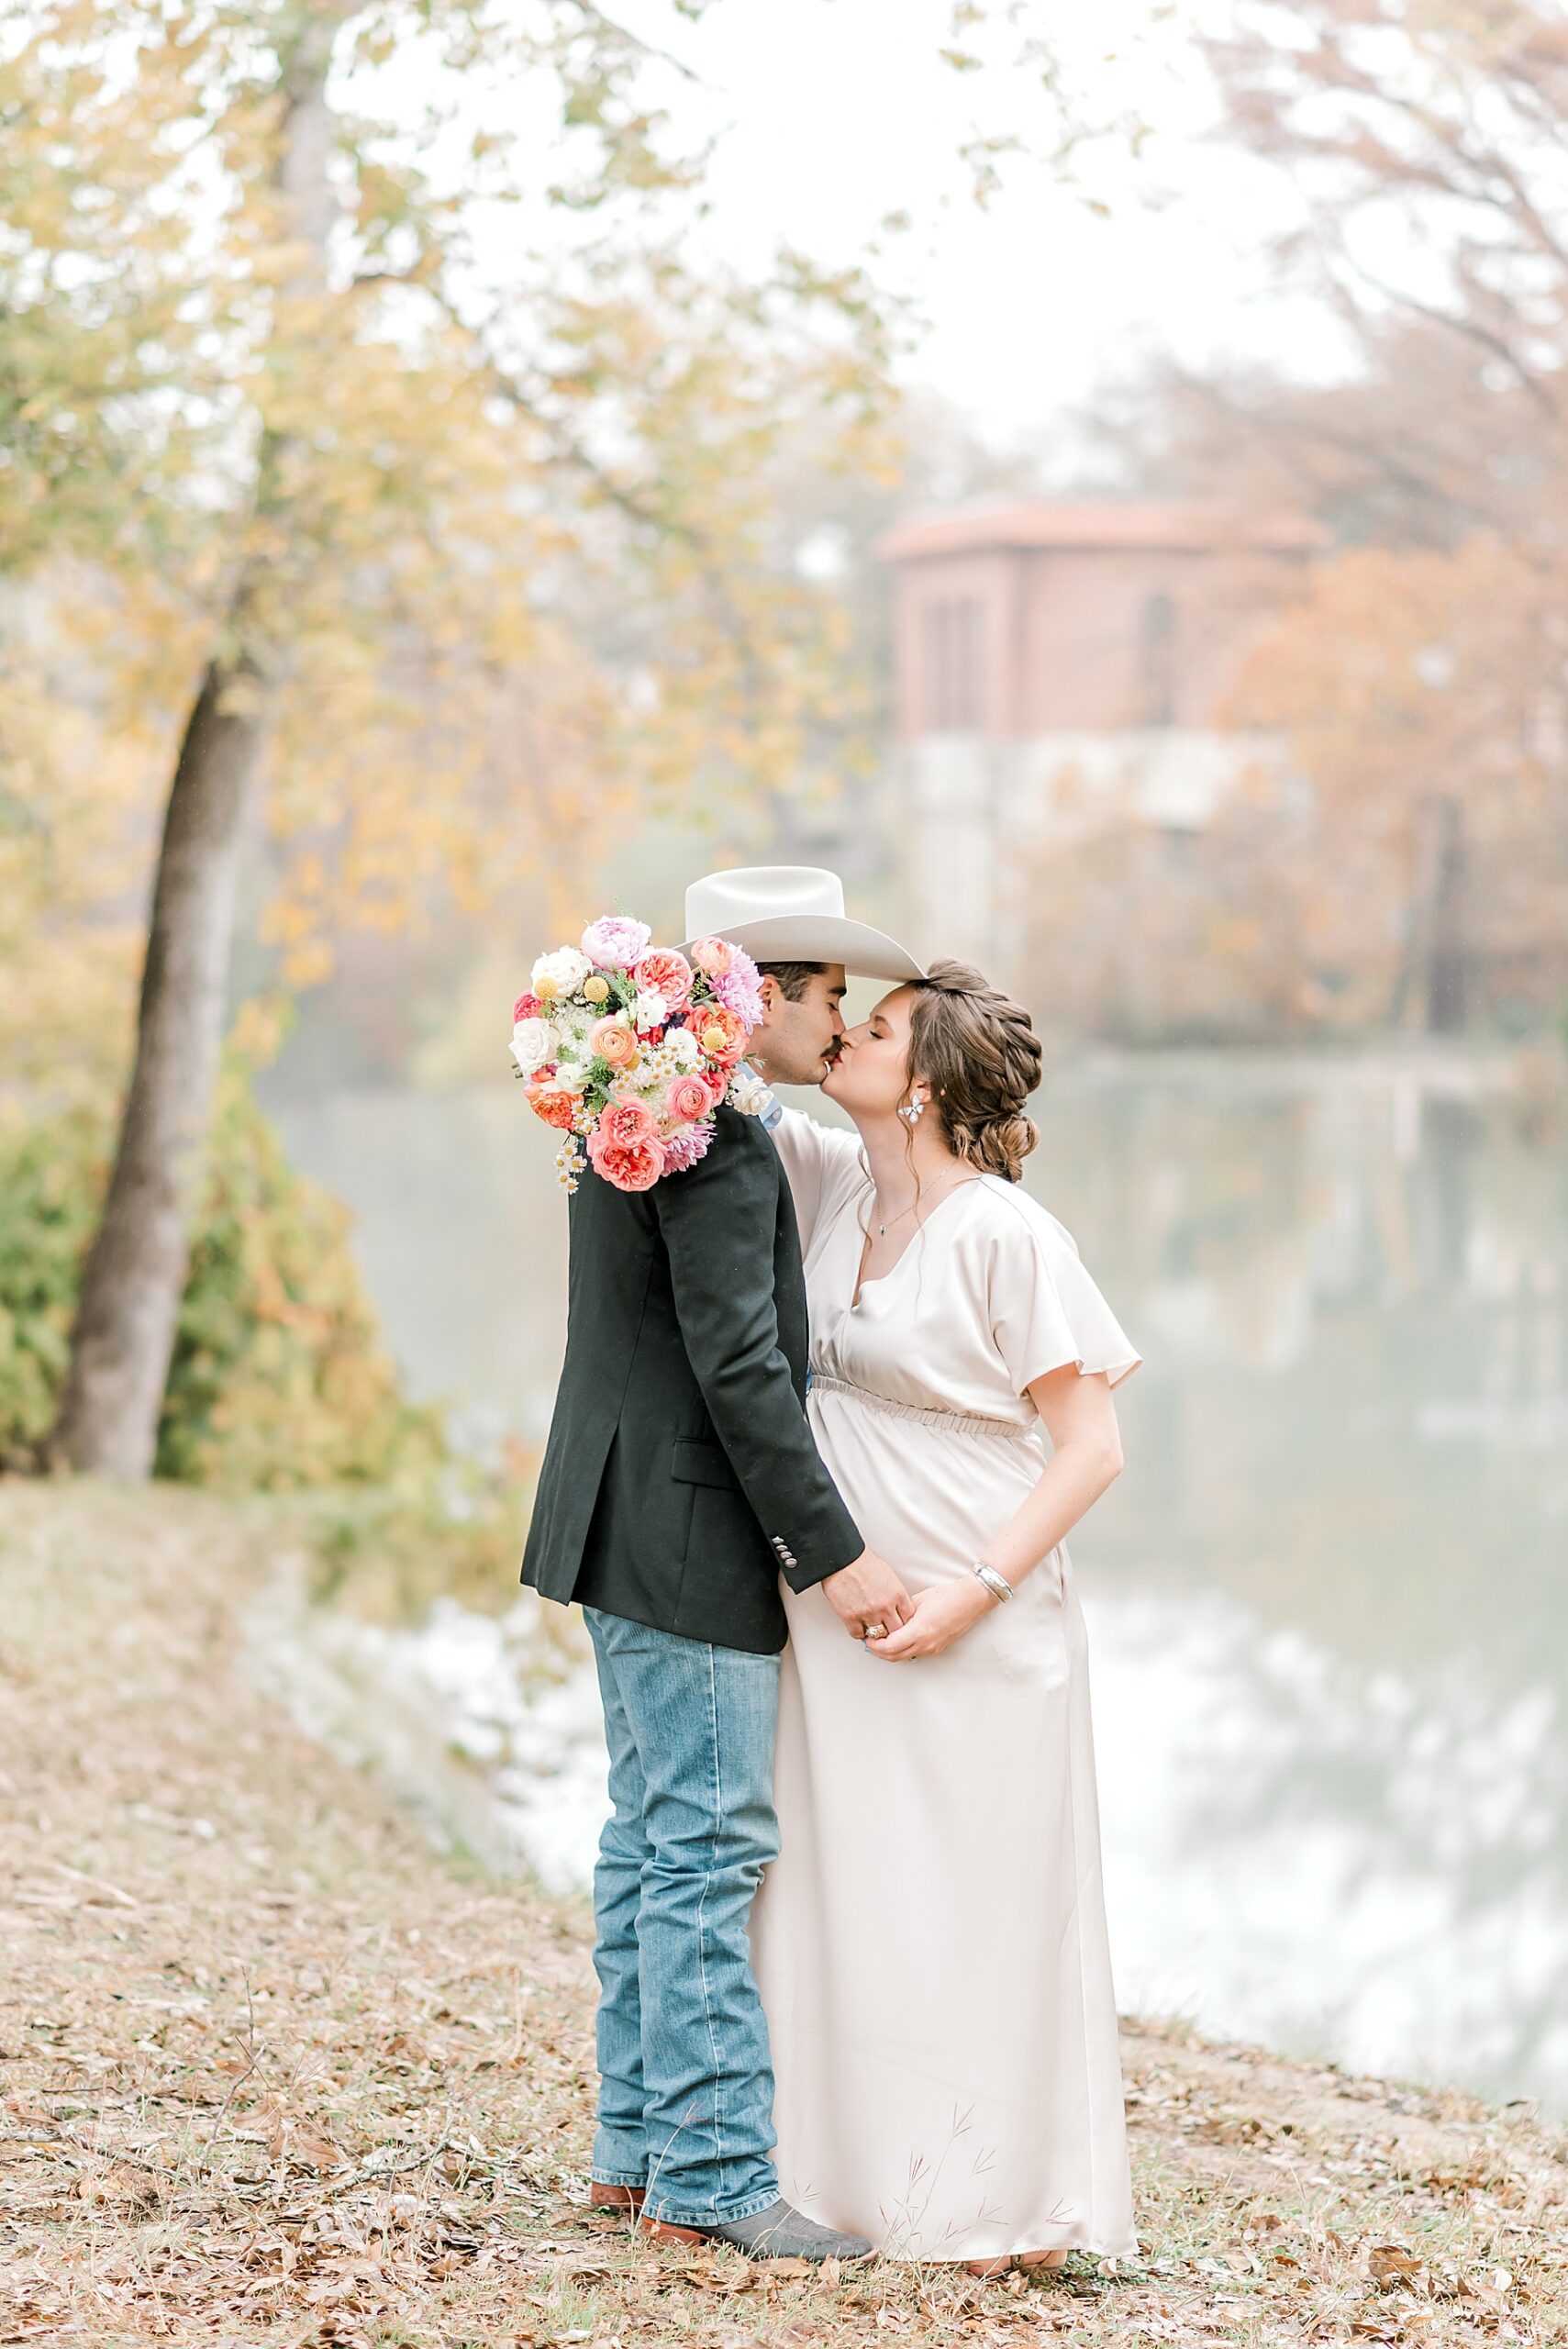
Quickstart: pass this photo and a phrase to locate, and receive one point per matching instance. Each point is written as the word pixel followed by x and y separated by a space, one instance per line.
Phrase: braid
pixel 977 1050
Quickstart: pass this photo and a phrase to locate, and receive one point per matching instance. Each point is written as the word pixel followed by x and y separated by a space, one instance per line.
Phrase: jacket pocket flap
pixel 700 1464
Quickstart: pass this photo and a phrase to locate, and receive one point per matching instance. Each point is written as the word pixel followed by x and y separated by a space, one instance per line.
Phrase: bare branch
pixel 603 23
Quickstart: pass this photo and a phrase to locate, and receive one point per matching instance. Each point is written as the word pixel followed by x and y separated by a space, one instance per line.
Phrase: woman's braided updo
pixel 977 1051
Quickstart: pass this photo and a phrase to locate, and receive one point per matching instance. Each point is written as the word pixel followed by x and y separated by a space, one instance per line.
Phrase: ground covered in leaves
pixel 273 2072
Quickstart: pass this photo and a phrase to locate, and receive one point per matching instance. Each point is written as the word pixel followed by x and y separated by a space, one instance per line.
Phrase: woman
pixel 931 1943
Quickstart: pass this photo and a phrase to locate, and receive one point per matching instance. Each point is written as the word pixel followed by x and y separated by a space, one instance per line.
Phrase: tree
pixel 1444 122
pixel 1425 698
pixel 453 483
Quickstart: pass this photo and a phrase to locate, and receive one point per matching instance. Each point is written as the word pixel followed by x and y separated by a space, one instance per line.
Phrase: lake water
pixel 1327 1602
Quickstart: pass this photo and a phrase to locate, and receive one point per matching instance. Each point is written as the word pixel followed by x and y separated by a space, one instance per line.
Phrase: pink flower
pixel 712 955
pixel 685 1148
pixel 623 1125
pixel 688 1098
pixel 613 1041
pixel 527 1006
pixel 739 989
pixel 634 1169
pixel 614 943
pixel 665 973
pixel 717 1083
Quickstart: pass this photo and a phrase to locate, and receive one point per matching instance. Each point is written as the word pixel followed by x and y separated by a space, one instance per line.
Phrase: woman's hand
pixel 941 1615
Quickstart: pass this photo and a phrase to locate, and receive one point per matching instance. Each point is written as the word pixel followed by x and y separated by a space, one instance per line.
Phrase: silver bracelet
pixel 997 1585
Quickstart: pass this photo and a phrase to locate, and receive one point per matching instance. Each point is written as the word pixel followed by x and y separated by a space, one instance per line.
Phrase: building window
pixel 1157 660
pixel 950 656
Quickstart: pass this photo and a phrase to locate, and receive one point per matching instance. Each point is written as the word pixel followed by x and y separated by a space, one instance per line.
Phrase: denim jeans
pixel 686 2083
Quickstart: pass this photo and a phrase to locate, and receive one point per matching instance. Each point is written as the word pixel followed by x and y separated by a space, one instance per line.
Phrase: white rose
pixel 533 1043
pixel 571 1077
pixel 561 972
pixel 651 1010
pixel 682 1048
pixel 749 1094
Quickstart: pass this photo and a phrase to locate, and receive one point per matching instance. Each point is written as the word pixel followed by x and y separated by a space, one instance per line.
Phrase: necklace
pixel 882 1228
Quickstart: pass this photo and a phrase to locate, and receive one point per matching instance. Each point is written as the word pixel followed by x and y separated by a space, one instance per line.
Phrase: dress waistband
pixel 954 1421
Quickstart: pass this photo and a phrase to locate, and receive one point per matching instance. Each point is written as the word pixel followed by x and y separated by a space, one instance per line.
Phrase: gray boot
pixel 780 2232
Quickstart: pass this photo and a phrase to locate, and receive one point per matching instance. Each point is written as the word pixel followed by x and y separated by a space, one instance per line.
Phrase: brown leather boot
pixel 625 2199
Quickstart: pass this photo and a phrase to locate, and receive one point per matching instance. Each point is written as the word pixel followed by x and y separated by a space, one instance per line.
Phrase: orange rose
pixel 613 1041
pixel 721 1035
pixel 712 955
pixel 549 1102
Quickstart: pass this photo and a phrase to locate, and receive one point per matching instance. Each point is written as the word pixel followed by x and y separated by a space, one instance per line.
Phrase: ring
pixel 876 1631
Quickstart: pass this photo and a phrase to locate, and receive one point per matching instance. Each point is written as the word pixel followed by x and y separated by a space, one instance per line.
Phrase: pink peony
pixel 613 1041
pixel 712 955
pixel 634 1169
pixel 685 1148
pixel 527 1006
pixel 688 1098
pixel 624 1124
pixel 665 973
pixel 614 943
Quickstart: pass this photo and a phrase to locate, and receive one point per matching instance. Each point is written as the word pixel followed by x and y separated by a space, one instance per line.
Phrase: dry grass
pixel 274 2072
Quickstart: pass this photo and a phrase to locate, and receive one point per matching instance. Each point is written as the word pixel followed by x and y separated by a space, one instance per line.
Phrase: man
pixel 679 1481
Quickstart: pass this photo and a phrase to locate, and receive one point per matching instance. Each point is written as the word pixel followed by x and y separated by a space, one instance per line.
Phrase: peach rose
pixel 613 1041
pixel 548 1101
pixel 635 1169
pixel 721 1035
pixel 712 955
pixel 688 1099
pixel 665 973
pixel 624 1124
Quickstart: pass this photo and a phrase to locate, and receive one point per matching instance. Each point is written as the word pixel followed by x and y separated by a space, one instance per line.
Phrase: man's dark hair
pixel 794 978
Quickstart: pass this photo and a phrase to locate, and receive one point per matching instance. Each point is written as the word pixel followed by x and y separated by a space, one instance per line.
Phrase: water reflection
pixel 1327 1600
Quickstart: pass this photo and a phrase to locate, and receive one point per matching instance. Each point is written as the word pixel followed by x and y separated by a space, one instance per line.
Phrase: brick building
pixel 1057 665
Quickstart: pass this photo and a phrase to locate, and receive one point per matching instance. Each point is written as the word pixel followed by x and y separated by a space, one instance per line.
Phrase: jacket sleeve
pixel 718 1221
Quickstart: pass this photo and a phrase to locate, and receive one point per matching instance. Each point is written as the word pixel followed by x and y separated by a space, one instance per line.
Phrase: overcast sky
pixel 836 113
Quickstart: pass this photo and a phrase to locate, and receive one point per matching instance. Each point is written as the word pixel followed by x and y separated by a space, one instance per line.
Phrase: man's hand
pixel 868 1596
pixel 938 1617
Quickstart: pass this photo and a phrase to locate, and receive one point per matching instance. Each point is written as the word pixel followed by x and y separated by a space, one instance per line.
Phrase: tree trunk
pixel 1431 992
pixel 135 1270
pixel 135 1273
pixel 1446 974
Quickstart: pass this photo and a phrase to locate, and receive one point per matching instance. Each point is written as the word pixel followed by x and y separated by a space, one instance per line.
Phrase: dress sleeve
pixel 1045 1310
pixel 817 1160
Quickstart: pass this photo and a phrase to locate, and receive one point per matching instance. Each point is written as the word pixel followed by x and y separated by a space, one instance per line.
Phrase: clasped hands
pixel 872 1603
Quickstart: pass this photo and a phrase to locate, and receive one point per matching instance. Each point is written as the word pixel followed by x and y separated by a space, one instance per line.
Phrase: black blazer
pixel 680 1477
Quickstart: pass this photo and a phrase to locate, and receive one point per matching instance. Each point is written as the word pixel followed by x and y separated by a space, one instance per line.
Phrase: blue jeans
pixel 686 2082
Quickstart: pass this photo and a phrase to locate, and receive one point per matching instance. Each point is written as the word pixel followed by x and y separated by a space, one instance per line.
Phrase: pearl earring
pixel 913 1111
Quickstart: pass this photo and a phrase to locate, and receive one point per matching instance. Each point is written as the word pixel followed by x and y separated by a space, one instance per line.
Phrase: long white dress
pixel 930 1945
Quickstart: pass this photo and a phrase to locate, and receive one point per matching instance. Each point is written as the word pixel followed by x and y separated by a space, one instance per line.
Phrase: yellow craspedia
pixel 597 990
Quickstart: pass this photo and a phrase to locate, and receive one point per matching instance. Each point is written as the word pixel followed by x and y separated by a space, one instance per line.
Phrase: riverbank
pixel 275 2072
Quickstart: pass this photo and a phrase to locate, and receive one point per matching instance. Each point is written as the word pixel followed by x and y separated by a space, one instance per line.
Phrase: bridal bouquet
pixel 629 1048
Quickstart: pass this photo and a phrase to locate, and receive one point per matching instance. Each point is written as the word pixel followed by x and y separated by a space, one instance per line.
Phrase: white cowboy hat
pixel 792 913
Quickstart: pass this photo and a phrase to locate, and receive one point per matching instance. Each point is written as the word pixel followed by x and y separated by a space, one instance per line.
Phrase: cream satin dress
pixel 930 1945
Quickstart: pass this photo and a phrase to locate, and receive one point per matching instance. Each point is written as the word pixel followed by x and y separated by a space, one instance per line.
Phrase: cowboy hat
pixel 792 913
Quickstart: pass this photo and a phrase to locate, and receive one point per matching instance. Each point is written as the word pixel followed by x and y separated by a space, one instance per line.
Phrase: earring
pixel 912 1112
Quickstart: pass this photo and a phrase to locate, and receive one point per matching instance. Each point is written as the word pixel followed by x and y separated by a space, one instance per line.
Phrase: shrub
pixel 279 1379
